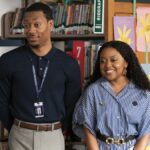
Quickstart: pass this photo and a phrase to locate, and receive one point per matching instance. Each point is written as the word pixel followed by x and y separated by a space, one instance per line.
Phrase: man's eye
pixel 37 25
pixel 26 26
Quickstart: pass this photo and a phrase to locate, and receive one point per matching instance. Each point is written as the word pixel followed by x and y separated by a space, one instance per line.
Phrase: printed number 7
pixel 78 51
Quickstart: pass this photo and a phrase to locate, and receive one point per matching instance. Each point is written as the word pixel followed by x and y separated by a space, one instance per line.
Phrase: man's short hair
pixel 41 7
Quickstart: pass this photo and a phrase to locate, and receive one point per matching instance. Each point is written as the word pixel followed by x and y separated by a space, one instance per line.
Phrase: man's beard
pixel 35 46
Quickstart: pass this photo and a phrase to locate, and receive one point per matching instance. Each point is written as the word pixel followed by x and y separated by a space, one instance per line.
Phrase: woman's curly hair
pixel 135 73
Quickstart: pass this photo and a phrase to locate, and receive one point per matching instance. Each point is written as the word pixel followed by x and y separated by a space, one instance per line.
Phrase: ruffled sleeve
pixel 85 114
pixel 144 126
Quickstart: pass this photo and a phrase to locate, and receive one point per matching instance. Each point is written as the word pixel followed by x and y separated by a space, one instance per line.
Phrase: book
pixel 78 53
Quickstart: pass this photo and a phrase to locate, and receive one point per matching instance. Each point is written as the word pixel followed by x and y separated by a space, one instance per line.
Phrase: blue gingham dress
pixel 127 113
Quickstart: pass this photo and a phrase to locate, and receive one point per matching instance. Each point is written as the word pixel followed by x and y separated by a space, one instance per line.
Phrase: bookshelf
pixel 5 7
pixel 112 8
pixel 7 32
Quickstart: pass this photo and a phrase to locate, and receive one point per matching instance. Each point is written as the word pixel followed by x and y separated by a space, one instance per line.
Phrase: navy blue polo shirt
pixel 61 88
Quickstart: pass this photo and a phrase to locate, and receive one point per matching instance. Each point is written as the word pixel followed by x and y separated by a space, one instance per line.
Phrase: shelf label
pixel 98 17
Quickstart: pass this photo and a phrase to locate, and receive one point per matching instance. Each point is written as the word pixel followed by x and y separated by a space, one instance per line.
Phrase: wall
pixel 4 49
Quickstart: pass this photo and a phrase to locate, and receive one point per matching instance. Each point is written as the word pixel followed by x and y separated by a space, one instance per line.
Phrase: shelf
pixel 62 37
pixel 6 34
pixel 88 36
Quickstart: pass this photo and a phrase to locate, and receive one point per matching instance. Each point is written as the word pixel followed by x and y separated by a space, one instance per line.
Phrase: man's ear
pixel 51 24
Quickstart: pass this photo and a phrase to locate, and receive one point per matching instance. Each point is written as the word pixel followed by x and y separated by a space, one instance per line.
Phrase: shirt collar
pixel 105 83
pixel 107 86
pixel 48 56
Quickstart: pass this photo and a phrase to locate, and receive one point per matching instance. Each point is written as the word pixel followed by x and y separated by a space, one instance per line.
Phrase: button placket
pixel 40 66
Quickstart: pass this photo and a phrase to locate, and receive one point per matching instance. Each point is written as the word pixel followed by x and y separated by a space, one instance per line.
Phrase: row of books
pixel 85 52
pixel 68 19
pixel 65 1
pixel 73 19
pixel 26 3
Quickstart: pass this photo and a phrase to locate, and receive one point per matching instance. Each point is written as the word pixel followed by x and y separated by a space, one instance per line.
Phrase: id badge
pixel 39 109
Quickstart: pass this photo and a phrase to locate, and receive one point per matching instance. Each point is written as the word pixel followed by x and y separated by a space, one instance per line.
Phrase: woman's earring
pixel 125 72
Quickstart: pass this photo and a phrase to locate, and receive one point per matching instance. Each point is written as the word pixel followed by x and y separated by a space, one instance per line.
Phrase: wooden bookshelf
pixel 64 37
pixel 7 32
pixel 112 8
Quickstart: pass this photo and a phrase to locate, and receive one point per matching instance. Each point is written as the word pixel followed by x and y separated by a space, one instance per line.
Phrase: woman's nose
pixel 108 63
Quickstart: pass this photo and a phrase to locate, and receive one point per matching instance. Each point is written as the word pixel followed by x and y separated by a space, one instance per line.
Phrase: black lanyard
pixel 39 89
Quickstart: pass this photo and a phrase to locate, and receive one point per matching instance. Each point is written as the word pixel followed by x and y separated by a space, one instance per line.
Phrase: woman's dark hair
pixel 41 7
pixel 135 72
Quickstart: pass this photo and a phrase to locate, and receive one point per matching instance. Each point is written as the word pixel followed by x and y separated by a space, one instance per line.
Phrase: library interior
pixel 81 27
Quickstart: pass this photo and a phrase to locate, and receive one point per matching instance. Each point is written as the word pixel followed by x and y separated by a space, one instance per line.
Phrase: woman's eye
pixel 102 61
pixel 113 60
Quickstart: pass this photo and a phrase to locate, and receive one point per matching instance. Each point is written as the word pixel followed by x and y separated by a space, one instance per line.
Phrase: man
pixel 39 86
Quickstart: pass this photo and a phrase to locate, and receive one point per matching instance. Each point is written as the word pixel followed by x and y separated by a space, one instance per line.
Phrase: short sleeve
pixel 144 127
pixel 84 114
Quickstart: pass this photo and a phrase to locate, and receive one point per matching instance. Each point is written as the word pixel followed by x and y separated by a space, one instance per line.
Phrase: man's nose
pixel 31 29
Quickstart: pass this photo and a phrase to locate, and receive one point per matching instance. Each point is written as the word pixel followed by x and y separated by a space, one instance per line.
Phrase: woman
pixel 114 111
